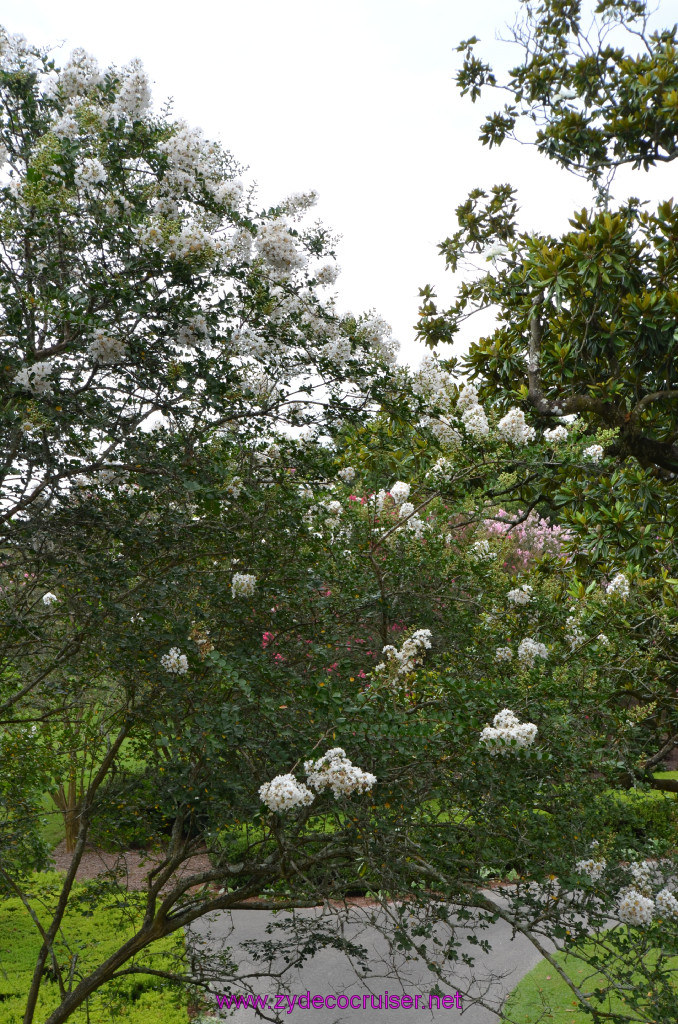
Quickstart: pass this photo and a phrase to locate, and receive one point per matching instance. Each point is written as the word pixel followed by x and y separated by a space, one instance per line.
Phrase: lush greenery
pixel 96 922
pixel 237 535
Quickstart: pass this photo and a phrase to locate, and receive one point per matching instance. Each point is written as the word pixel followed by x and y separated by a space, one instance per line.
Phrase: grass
pixel 542 997
pixel 93 928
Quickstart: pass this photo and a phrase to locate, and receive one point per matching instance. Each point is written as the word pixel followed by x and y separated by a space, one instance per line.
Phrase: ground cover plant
pixel 93 926
pixel 339 623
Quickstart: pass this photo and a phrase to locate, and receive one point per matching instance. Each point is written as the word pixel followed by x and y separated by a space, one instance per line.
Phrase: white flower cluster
pixel 410 654
pixel 444 431
pixel 277 246
pixel 227 193
pixel 475 421
pixel 194 332
pixel 468 398
pixel 243 584
pixel 66 127
pixel 90 174
pixel 299 202
pixel 482 551
pixel 555 435
pixel 175 662
pixel 602 639
pixel 520 595
pixel 529 650
pixel 105 349
pixel 432 382
pixel 192 240
pixel 334 771
pixel 400 491
pixel 188 154
pixel 338 349
pixel 514 428
pixel 508 734
pixel 635 909
pixel 378 336
pixel 79 75
pixel 503 654
pixel 234 487
pixel 593 868
pixel 406 509
pixel 134 94
pixel 574 637
pixel 594 453
pixel 284 792
pixel 35 378
pixel 619 584
pixel 441 471
pixel 347 474
pixel 666 904
pixel 327 274
pixel 49 598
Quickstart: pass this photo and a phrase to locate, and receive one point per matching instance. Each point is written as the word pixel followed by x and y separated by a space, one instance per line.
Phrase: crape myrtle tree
pixel 217 621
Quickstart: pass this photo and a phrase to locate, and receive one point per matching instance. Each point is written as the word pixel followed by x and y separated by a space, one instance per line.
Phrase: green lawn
pixel 542 997
pixel 90 932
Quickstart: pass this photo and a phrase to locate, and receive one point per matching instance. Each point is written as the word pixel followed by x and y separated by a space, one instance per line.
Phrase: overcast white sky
pixel 355 99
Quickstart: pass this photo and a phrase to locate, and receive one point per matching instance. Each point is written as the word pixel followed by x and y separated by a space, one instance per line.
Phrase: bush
pixel 640 815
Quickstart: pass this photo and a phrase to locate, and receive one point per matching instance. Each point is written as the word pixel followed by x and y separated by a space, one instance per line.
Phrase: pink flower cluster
pixel 532 538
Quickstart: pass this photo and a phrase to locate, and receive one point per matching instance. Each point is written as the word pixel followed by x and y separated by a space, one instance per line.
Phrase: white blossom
pixel 666 904
pixel 405 660
pixel 593 868
pixel 175 662
pixel 90 173
pixel 378 337
pixel 529 650
pixel 594 453
pixel 49 598
pixel 194 332
pixel 468 398
pixel 327 274
pixel 80 74
pixel 66 127
pixel 602 639
pixel 556 434
pixel 508 734
pixel 243 584
pixel 635 909
pixel 475 421
pixel 406 509
pixel 514 428
pixel 496 251
pixel 575 637
pixel 503 654
pixel 284 792
pixel 227 193
pixel 432 382
pixel 482 551
pixel 400 491
pixel 277 246
pixel 134 95
pixel 35 378
pixel 334 771
pixel 619 584
pixel 338 349
pixel 347 474
pixel 520 595
pixel 234 487
pixel 106 349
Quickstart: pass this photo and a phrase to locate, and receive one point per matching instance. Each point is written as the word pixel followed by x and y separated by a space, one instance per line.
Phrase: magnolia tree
pixel 366 662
